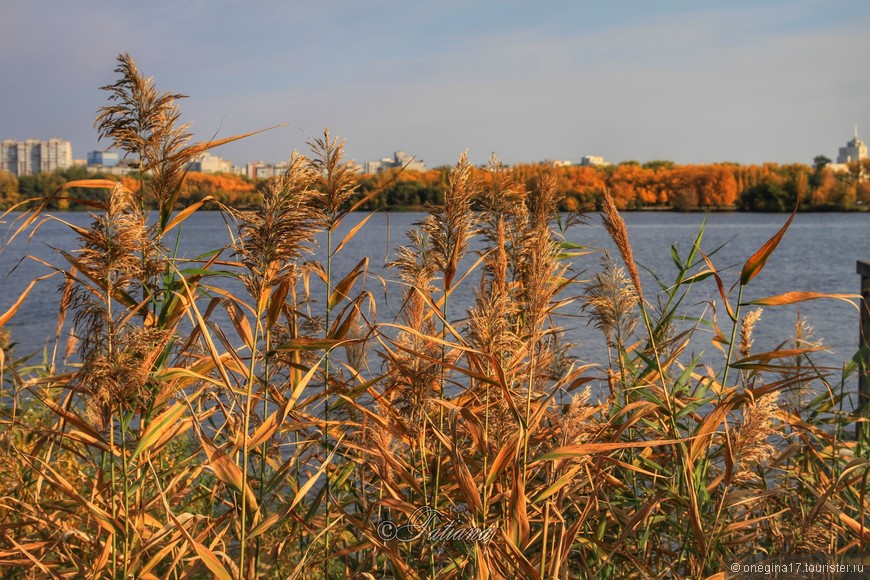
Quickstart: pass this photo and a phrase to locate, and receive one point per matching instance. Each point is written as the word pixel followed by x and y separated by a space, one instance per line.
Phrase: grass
pixel 271 447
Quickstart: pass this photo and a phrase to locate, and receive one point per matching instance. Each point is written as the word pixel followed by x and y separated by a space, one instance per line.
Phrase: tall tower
pixel 855 150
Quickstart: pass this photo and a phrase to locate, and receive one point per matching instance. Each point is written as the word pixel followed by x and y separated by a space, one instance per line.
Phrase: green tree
pixel 820 162
pixel 769 195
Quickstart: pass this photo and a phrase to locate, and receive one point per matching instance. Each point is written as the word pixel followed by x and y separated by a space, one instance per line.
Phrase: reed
pixel 274 444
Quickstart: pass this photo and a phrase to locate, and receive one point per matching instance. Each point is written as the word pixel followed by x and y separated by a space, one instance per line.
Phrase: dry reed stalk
pixel 272 239
pixel 414 371
pixel 336 182
pixel 603 490
pixel 449 228
pixel 144 122
pixel 493 319
pixel 540 275
pixel 115 258
pixel 612 303
pixel 576 427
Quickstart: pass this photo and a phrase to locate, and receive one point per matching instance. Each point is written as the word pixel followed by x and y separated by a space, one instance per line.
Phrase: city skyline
pixel 781 82
pixel 32 156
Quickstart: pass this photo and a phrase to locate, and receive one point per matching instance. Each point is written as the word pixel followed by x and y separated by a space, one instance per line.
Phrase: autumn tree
pixel 228 189
pixel 628 186
pixel 8 190
pixel 581 185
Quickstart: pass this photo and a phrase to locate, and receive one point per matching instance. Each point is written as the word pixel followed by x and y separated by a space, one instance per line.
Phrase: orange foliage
pixel 130 183
pixel 584 182
pixel 665 184
pixel 227 189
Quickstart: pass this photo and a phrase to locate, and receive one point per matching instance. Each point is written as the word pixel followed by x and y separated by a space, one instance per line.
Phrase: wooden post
pixel 863 429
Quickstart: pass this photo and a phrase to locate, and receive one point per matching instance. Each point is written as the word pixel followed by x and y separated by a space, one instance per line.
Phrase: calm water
pixel 817 254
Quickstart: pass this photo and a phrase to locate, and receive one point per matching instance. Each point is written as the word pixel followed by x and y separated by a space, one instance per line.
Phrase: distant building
pixel 34 156
pixel 103 159
pixel 272 170
pixel 855 150
pixel 208 163
pixel 260 170
pixel 251 168
pixel 400 159
pixel 593 161
pixel 372 167
pixel 124 167
pixel 106 163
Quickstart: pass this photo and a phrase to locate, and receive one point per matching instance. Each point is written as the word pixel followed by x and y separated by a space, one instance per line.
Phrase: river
pixel 818 254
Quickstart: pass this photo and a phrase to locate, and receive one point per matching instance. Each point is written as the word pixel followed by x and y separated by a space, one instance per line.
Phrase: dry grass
pixel 272 447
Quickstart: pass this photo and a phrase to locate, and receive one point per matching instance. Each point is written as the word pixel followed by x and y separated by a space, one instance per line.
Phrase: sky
pixel 691 82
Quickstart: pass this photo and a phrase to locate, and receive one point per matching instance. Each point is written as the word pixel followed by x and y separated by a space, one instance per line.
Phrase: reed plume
pixel 415 378
pixel 335 179
pixel 749 322
pixel 224 455
pixel 615 226
pixel 749 443
pixel 540 273
pixel 144 122
pixel 803 341
pixel 139 115
pixel 575 423
pixel 612 303
pixel 452 224
pixel 501 195
pixel 116 257
pixel 274 236
pixel 492 319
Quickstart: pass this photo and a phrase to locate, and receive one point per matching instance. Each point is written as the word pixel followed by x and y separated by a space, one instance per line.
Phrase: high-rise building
pixel 34 156
pixel 855 150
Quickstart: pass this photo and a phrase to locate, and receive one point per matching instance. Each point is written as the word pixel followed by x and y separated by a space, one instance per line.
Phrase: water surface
pixel 818 254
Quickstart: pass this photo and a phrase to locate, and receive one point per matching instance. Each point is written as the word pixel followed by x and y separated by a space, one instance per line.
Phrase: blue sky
pixel 691 82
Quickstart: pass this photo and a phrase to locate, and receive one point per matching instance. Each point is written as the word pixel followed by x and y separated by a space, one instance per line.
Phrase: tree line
pixel 651 185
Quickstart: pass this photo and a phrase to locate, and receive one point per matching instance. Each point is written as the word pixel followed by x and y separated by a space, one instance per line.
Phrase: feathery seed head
pixel 749 444
pixel 749 322
pixel 615 226
pixel 612 301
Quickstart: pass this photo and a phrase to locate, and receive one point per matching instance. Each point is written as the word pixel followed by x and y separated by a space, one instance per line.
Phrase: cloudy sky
pixel 691 82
